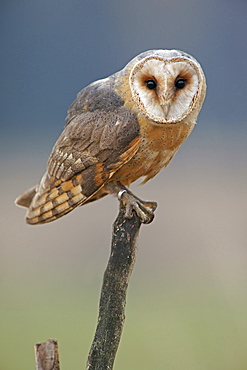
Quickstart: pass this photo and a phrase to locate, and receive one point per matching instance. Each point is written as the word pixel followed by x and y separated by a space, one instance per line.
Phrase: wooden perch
pixel 113 293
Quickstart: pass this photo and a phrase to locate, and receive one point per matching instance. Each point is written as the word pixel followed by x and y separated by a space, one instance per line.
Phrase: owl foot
pixel 144 210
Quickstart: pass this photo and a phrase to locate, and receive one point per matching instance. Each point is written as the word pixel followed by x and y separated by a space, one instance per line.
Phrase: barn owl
pixel 119 129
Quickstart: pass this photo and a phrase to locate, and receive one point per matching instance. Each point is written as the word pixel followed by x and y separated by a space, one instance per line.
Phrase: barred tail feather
pixel 62 197
pixel 55 203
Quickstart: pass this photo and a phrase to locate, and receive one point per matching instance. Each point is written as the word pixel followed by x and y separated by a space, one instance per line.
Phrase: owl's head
pixel 167 86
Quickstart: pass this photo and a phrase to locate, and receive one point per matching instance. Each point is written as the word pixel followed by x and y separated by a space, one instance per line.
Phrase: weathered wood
pixel 46 355
pixel 113 294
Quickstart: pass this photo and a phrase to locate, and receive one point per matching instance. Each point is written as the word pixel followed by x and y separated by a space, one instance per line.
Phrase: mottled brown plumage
pixel 118 130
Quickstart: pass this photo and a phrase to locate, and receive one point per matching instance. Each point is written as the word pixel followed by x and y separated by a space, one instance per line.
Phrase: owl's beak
pixel 165 99
pixel 166 105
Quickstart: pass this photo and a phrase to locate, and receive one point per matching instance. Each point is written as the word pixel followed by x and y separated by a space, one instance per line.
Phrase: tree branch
pixel 113 293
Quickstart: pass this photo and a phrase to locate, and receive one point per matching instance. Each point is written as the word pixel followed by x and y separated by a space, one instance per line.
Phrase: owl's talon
pixel 144 210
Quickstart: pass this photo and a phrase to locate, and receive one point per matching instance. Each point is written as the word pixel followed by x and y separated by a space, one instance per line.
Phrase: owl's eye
pixel 180 83
pixel 151 84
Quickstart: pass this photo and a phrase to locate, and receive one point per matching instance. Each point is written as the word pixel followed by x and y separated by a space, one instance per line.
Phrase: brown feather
pixel 82 161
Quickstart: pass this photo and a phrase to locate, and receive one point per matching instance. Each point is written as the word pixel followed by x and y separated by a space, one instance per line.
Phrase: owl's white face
pixel 167 87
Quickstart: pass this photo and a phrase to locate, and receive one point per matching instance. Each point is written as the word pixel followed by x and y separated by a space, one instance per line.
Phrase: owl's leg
pixel 145 210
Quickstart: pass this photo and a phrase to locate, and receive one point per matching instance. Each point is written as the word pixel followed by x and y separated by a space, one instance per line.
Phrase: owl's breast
pixel 158 145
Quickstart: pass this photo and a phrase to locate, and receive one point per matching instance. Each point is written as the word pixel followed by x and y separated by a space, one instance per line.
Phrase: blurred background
pixel 187 299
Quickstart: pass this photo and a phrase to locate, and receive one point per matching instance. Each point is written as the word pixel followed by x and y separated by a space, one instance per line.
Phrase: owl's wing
pixel 92 147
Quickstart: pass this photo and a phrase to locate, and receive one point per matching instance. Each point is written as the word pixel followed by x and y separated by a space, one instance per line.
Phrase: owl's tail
pixel 47 206
pixel 52 198
pixel 25 199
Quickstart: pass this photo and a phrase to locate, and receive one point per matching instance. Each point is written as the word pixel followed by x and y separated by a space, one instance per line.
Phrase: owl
pixel 119 129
